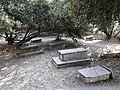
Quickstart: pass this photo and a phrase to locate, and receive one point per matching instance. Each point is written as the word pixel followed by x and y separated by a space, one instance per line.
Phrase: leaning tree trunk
pixel 107 33
pixel 26 38
pixel 58 38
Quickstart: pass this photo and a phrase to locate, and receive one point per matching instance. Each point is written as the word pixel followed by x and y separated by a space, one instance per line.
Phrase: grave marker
pixel 73 54
pixel 94 74
pixel 36 40
pixel 71 57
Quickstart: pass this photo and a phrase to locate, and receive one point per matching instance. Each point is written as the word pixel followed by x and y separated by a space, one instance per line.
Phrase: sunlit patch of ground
pixel 100 46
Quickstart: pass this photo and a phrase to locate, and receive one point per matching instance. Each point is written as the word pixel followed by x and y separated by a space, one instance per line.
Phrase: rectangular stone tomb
pixel 90 37
pixel 36 40
pixel 56 44
pixel 73 54
pixel 59 63
pixel 30 53
pixel 94 74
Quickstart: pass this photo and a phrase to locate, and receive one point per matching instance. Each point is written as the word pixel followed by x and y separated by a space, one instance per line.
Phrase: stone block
pixel 60 64
pixel 90 37
pixel 73 54
pixel 36 40
pixel 30 53
pixel 94 74
pixel 59 44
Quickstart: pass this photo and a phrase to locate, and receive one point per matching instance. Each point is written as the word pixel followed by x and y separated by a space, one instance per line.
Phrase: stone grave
pixel 32 49
pixel 56 44
pixel 89 38
pixel 36 40
pixel 71 57
pixel 73 54
pixel 94 74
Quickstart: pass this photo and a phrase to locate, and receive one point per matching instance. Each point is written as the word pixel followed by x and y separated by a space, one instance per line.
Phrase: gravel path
pixel 38 73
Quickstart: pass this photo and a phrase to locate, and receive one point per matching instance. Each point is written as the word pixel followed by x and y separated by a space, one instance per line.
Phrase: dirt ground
pixel 38 73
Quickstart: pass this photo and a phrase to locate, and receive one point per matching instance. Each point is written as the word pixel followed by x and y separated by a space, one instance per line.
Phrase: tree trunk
pixel 27 39
pixel 58 37
pixel 107 33
pixel 10 41
pixel 9 38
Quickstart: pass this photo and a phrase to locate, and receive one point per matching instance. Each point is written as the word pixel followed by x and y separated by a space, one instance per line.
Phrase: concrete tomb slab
pixel 59 63
pixel 94 74
pixel 74 50
pixel 31 53
pixel 73 54
pixel 36 40
pixel 56 44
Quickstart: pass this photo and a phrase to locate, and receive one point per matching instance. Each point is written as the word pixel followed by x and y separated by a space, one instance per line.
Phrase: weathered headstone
pixel 94 74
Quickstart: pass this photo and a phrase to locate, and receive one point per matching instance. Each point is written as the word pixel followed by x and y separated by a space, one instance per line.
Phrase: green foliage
pixel 71 17
pixel 68 22
pixel 60 16
pixel 29 13
pixel 41 15
pixel 103 13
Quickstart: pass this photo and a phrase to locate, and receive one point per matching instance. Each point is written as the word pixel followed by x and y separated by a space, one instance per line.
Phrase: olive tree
pixel 34 14
pixel 103 13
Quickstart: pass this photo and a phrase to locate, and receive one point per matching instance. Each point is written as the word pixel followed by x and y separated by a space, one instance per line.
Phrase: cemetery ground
pixel 36 72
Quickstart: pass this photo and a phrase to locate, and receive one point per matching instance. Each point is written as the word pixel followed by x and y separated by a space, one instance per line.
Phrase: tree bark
pixel 104 29
pixel 58 37
pixel 107 34
pixel 9 38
